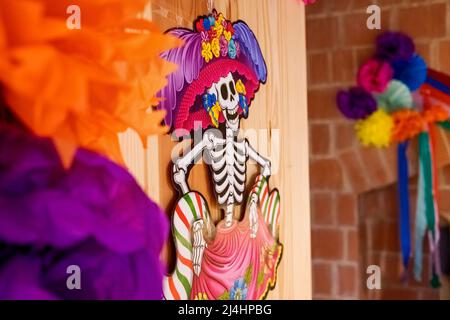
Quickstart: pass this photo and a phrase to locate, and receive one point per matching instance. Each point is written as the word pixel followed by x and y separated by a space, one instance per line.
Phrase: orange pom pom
pixel 82 87
pixel 435 113
pixel 407 124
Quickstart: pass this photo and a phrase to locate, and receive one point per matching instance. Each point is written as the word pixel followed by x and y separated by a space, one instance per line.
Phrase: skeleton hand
pixel 266 170
pixel 199 246
pixel 253 215
pixel 179 176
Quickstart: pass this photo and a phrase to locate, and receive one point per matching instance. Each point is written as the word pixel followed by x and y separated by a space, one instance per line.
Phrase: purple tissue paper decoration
pixel 356 103
pixel 93 215
pixel 394 46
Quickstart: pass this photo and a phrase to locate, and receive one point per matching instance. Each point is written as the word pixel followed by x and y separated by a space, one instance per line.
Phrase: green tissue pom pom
pixel 396 97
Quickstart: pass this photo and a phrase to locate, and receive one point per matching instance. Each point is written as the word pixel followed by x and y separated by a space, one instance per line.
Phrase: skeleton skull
pixel 225 91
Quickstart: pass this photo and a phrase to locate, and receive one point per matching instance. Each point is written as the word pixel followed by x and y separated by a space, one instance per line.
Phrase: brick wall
pixel 342 172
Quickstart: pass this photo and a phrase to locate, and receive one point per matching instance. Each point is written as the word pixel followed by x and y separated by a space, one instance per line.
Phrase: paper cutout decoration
pixel 220 69
pixel 83 87
pixel 411 101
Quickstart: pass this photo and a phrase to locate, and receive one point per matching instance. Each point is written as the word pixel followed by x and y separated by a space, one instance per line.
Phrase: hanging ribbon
pixel 405 232
pixel 434 236
pixel 421 225
pixel 426 161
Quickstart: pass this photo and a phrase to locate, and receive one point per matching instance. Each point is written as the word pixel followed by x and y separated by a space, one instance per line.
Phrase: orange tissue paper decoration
pixel 407 124
pixel 435 113
pixel 81 87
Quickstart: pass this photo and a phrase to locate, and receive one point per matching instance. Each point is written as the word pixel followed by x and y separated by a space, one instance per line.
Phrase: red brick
pixel 356 31
pixel 392 268
pixel 352 245
pixel 389 203
pixel 327 244
pixel 446 173
pixel 399 294
pixel 322 209
pixel 442 152
pixel 354 170
pixel 322 278
pixel 425 21
pixel 361 4
pixel 325 174
pixel 429 294
pixel 373 167
pixel 320 139
pixel 424 49
pixel 385 3
pixel 318 68
pixel 363 54
pixel 321 33
pixel 322 104
pixel 317 8
pixel 370 205
pixel 348 277
pixel 444 54
pixel 444 200
pixel 339 6
pixel 345 136
pixel 343 66
pixel 346 210
pixel 389 158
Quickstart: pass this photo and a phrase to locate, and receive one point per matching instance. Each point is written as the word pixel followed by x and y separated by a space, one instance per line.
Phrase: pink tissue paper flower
pixel 375 75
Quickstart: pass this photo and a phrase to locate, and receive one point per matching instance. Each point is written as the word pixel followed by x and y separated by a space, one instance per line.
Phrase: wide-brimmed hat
pixel 214 48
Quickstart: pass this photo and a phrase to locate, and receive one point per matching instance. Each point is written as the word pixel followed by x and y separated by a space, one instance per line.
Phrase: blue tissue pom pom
pixel 413 72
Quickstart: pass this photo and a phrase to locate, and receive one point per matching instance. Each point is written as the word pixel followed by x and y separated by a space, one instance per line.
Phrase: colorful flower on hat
pixel 218 27
pixel 227 35
pixel 217 37
pixel 232 49
pixel 223 46
pixel 205 36
pixel 215 47
pixel 206 51
pixel 240 87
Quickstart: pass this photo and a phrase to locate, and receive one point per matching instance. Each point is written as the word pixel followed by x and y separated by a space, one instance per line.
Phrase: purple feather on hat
pixel 191 64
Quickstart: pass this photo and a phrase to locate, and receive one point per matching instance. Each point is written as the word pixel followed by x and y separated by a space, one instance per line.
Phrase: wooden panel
pixel 281 104
pixel 279 115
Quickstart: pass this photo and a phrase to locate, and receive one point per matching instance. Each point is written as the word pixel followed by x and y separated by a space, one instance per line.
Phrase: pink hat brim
pixel 210 74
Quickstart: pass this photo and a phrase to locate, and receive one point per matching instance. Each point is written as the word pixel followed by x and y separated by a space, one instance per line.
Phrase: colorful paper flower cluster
pixel 64 201
pixel 83 87
pixel 383 102
pixel 217 37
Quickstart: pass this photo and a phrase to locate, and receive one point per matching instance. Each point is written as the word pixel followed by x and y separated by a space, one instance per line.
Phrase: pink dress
pixel 236 266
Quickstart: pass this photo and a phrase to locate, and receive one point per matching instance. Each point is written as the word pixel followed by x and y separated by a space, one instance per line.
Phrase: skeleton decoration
pixel 220 69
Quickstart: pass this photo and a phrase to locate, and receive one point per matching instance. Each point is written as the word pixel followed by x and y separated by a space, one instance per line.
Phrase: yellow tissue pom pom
pixel 375 130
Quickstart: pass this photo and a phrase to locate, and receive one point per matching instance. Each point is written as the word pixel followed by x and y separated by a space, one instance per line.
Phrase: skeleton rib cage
pixel 228 165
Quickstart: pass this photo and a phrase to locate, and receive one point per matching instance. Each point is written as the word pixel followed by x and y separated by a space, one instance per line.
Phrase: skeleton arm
pixel 263 162
pixel 180 169
pixel 181 165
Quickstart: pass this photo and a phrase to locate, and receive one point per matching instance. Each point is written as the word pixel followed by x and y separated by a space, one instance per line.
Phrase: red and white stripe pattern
pixel 190 208
pixel 269 203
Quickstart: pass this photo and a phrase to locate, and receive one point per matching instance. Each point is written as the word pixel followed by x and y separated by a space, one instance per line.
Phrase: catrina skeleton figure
pixel 220 69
